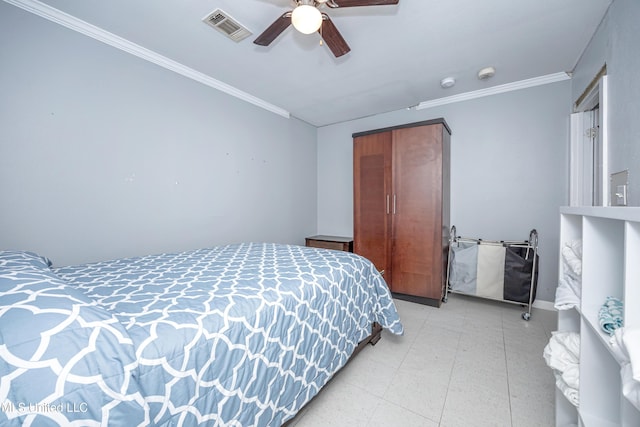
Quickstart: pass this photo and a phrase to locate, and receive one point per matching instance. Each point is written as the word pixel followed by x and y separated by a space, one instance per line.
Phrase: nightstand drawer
pixel 330 242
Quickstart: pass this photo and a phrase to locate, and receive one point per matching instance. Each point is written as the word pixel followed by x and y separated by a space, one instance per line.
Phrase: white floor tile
pixel 469 376
pixel 471 362
pixel 422 394
pixel 374 377
pixel 477 406
pixel 390 415
pixel 340 404
pixel 531 396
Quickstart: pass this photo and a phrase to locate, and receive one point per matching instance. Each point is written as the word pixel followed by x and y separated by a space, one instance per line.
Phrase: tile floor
pixel 472 362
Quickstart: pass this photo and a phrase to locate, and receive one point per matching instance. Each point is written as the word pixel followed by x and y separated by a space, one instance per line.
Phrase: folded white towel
pixel 618 348
pixel 571 394
pixel 566 297
pixel 624 343
pixel 630 387
pixel 569 290
pixel 562 354
pixel 562 351
pixel 572 257
pixel 571 341
pixel 631 339
pixel 557 357
pixel 575 284
pixel 576 246
pixel 571 376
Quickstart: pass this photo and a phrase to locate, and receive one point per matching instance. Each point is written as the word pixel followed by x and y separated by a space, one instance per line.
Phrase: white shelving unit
pixel 610 267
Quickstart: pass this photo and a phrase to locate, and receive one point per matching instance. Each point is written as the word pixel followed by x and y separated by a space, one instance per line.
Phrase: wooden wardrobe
pixel 401 206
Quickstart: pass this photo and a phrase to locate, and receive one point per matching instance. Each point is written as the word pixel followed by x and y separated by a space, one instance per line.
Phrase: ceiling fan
pixel 307 18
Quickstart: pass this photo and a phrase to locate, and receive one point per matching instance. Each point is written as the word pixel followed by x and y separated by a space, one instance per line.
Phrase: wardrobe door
pixel 372 199
pixel 417 212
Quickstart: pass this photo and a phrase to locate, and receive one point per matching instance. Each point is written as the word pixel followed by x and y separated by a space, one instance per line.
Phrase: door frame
pixel 581 185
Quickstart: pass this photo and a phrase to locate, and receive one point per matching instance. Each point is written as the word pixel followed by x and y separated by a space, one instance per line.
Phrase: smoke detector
pixel 486 73
pixel 447 82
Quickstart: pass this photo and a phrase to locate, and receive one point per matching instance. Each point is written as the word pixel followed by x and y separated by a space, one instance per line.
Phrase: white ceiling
pixel 398 54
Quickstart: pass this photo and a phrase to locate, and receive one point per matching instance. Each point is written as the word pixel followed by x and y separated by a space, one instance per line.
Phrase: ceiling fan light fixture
pixel 306 19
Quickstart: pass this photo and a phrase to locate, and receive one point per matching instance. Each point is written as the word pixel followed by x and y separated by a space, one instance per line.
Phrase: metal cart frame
pixel 531 247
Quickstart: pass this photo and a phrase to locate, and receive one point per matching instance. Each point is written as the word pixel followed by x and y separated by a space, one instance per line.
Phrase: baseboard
pixel 419 300
pixel 544 305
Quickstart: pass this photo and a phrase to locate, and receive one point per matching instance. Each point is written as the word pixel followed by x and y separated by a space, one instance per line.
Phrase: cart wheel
pixel 526 316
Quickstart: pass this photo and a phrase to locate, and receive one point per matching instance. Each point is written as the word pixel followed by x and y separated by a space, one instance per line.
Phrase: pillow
pixel 20 268
pixel 22 259
pixel 59 349
pixel 22 271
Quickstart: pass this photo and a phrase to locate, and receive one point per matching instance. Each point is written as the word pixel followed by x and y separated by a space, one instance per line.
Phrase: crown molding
pixel 509 87
pixel 59 17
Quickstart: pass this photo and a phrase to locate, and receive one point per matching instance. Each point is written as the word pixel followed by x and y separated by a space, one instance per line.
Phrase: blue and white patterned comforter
pixel 237 335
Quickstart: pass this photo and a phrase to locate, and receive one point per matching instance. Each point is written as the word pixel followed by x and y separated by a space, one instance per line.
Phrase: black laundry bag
pixel 518 267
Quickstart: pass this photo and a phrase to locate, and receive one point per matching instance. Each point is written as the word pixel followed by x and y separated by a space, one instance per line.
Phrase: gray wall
pixel 104 155
pixel 509 168
pixel 616 44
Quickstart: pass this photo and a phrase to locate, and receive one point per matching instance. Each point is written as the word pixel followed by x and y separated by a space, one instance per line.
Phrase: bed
pixel 236 335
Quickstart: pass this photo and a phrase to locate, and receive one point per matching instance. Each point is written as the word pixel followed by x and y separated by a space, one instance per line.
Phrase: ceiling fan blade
pixel 332 37
pixel 274 30
pixel 352 3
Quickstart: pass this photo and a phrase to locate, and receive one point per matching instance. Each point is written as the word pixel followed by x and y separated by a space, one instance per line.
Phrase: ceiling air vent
pixel 227 25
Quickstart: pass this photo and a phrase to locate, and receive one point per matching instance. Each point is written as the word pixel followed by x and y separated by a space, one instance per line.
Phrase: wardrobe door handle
pixel 387 204
pixel 394 204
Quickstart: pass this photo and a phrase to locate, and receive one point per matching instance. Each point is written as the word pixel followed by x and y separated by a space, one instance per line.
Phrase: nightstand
pixel 330 242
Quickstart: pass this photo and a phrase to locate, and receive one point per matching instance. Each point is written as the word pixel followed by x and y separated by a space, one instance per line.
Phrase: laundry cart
pixel 498 270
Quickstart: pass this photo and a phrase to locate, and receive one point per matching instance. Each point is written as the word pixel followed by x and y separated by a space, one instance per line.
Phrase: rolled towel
pixel 610 315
